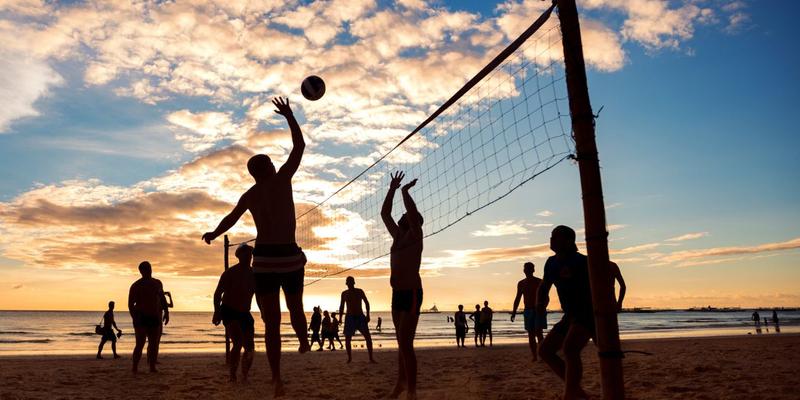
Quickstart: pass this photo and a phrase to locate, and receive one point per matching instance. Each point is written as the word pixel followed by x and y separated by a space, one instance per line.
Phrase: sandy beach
pixel 745 367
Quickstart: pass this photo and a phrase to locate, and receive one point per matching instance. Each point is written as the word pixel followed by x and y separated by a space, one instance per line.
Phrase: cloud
pixel 502 228
pixel 545 213
pixel 687 255
pixel 688 236
pixel 23 81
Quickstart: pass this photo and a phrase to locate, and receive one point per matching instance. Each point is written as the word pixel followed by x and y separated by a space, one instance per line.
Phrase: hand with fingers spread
pixel 397 177
pixel 282 105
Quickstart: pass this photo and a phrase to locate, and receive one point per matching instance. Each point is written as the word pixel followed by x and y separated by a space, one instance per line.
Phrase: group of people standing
pixel 277 263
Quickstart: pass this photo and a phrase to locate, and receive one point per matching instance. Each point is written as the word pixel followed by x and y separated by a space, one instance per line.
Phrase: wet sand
pixel 744 367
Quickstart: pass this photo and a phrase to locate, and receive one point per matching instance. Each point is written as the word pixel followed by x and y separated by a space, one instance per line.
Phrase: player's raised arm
pixel 298 143
pixel 228 222
pixel 386 210
pixel 412 214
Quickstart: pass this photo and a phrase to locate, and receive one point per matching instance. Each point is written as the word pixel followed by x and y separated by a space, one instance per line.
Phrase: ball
pixel 313 88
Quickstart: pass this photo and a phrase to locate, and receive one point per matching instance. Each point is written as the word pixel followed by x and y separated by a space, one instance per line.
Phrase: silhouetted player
pixel 378 326
pixel 534 323
pixel 314 326
pixel 354 318
pixel 568 271
pixel 335 331
pixel 476 323
pixel 486 323
pixel 460 321
pixel 277 260
pixel 617 275
pixel 232 301
pixel 148 308
pixel 108 331
pixel 405 259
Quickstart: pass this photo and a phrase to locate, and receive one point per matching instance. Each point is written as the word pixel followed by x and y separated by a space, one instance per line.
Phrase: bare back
pixel 147 295
pixel 272 206
pixel 529 287
pixel 352 298
pixel 238 286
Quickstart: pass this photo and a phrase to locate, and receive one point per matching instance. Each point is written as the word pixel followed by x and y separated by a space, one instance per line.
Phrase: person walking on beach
pixel 335 331
pixel 460 321
pixel 314 326
pixel 486 323
pixel 148 308
pixel 756 318
pixel 534 323
pixel 404 260
pixel 378 326
pixel 108 331
pixel 475 317
pixel 232 301
pixel 326 328
pixel 568 271
pixel 355 319
pixel 277 260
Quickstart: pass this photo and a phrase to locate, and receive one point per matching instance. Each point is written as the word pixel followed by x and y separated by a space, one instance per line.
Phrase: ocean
pixel 72 332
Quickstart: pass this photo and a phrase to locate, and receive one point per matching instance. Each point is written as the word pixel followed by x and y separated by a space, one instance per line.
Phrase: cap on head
pixel 260 166
pixel 350 281
pixel 528 268
pixel 145 268
pixel 562 240
pixel 244 251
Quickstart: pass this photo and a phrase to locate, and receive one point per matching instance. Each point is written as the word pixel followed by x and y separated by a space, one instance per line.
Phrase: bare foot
pixel 116 356
pixel 349 360
pixel 232 379
pixel 153 370
pixel 99 357
pixel 411 396
pixel 279 390
pixel 304 348
pixel 371 361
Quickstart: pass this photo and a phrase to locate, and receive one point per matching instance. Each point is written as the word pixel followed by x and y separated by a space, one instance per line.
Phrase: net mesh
pixel 509 128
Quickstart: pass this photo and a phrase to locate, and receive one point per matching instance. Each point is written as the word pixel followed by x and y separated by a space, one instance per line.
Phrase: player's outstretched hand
pixel 208 237
pixel 282 105
pixel 397 177
pixel 409 185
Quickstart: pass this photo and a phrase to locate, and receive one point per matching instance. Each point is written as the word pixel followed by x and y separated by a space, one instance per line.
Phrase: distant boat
pixel 432 310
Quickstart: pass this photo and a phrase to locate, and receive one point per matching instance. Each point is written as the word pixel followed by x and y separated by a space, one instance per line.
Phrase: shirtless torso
pixel 353 298
pixel 529 287
pixel 272 206
pixel 238 287
pixel 145 299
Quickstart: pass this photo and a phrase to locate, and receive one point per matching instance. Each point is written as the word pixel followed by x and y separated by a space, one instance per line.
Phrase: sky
pixel 125 129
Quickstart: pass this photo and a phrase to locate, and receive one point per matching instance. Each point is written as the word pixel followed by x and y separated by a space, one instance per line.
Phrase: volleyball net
pixel 507 125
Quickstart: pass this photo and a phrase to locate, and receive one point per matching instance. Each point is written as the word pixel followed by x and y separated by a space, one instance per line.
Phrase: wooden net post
pixel 602 284
pixel 227 244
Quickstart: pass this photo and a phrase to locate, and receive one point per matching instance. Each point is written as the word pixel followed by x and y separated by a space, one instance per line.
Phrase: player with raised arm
pixel 405 260
pixel 277 260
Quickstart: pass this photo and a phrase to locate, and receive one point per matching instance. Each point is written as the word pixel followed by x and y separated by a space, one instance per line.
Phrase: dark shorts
pixel 147 321
pixel 461 331
pixel 243 318
pixel 486 326
pixel 533 320
pixel 108 334
pixel 407 300
pixel 586 321
pixel 277 266
pixel 353 323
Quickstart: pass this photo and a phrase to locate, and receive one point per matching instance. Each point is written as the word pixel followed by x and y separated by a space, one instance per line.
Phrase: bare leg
pixel 547 350
pixel 532 343
pixel 249 350
pixel 401 368
pixel 141 338
pixel 406 335
pixel 294 302
pixel 269 303
pixel 235 333
pixel 368 338
pixel 347 340
pixel 114 349
pixel 574 342
pixel 100 349
pixel 153 339
pixel 490 337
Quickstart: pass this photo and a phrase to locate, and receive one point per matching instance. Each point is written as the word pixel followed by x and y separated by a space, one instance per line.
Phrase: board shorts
pixel 277 266
pixel 533 320
pixel 243 318
pixel 584 320
pixel 353 323
pixel 461 331
pixel 407 300
pixel 108 334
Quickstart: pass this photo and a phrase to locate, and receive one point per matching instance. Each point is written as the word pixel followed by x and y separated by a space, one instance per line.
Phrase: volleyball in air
pixel 313 88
